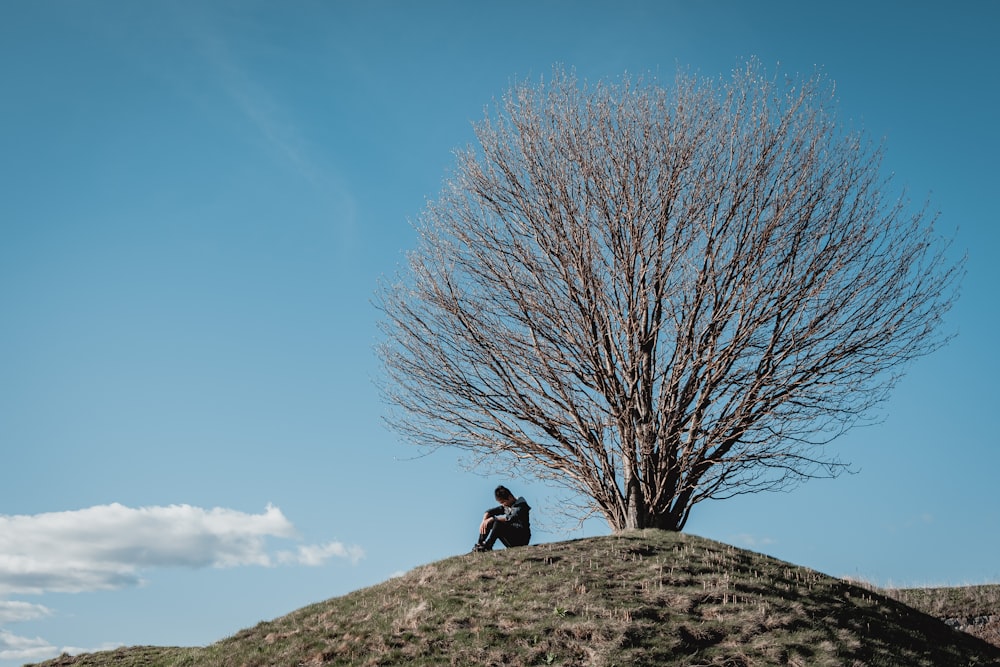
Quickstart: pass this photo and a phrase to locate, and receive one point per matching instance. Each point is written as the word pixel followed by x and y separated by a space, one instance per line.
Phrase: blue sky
pixel 198 201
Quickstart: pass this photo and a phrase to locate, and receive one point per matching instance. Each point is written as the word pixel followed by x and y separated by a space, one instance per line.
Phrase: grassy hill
pixel 643 598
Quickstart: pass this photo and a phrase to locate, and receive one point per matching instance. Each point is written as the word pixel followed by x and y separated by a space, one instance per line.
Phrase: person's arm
pixel 489 516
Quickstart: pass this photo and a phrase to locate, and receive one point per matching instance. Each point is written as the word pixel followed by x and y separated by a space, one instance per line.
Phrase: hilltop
pixel 642 598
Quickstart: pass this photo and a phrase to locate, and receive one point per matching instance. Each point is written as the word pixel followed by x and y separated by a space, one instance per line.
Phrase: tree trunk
pixel 639 513
pixel 635 506
pixel 639 516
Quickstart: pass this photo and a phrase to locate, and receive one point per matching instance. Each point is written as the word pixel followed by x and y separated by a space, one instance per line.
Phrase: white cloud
pixel 21 649
pixel 276 124
pixel 105 547
pixel 78 650
pixel 12 611
pixel 753 541
pixel 320 553
pixel 13 647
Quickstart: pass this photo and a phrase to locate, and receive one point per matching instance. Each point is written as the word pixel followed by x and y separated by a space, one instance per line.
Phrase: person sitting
pixel 507 523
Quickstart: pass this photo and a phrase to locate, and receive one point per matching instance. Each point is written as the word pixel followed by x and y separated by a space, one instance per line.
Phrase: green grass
pixel 643 598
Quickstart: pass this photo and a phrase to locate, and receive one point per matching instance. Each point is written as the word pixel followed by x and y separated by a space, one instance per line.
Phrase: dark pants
pixel 510 534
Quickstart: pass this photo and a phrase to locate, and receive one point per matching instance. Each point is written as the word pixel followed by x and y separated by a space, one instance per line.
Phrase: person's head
pixel 503 496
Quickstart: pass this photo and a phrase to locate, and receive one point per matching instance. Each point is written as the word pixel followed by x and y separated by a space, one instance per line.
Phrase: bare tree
pixel 656 297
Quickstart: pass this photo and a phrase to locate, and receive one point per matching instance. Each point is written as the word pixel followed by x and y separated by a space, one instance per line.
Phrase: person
pixel 508 523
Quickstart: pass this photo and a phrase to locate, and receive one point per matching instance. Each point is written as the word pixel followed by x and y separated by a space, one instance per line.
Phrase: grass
pixel 643 598
pixel 972 609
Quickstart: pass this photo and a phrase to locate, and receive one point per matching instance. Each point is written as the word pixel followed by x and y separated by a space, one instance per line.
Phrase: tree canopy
pixel 656 295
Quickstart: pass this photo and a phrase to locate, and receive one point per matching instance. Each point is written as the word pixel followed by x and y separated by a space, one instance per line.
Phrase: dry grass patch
pixel 649 597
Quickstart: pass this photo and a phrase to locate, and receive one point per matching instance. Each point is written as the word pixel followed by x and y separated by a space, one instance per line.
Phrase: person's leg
pixel 514 537
pixel 487 537
pixel 509 536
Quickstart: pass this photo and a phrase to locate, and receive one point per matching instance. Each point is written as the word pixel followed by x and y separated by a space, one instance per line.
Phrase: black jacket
pixel 516 515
